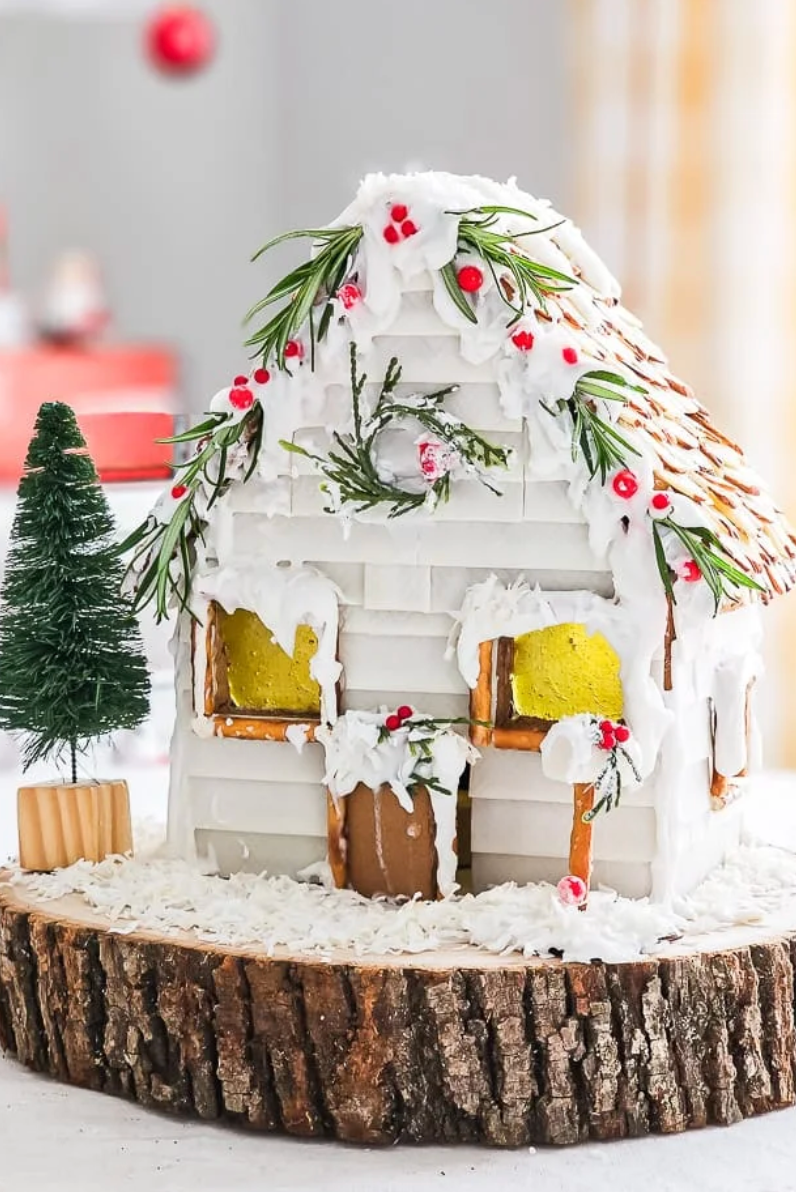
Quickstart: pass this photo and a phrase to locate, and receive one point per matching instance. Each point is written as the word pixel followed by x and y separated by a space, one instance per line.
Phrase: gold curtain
pixel 683 156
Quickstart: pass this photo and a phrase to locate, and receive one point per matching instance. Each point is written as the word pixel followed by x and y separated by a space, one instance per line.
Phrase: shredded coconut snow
pixel 280 915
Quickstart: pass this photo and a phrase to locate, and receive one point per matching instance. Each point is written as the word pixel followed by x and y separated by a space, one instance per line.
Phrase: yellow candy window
pixel 528 683
pixel 254 674
pixel 562 671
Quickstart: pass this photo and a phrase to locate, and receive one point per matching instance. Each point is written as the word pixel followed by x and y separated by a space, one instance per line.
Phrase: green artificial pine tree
pixel 72 664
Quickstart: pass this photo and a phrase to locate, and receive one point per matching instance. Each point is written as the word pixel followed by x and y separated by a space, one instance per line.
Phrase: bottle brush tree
pixel 72 664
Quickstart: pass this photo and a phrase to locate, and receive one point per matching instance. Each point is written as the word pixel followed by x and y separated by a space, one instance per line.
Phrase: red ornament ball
pixel 408 228
pixel 660 502
pixel 572 890
pixel 241 399
pixel 392 722
pixel 404 712
pixel 391 234
pixel 261 376
pixel 179 491
pixel 349 295
pixel 625 484
pixel 180 40
pixel 241 380
pixel 622 733
pixel 399 212
pixel 470 278
pixel 293 350
pixel 523 340
pixel 570 355
pixel 689 571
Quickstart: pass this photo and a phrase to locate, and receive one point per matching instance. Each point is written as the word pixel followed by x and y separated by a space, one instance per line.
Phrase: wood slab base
pixel 456 1048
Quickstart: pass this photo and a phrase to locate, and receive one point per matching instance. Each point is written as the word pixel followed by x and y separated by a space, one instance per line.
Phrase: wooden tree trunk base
pixel 455 1048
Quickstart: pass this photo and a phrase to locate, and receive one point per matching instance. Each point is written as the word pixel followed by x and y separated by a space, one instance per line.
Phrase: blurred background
pixel 146 151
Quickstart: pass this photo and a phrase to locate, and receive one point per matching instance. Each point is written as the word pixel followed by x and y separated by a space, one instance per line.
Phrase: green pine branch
pixel 313 283
pixel 594 437
pixel 719 573
pixel 161 554
pixel 532 281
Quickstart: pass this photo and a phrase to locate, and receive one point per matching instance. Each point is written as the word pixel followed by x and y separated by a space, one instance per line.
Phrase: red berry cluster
pixel 349 295
pixel 401 227
pixel 613 734
pixel 523 340
pixel 396 719
pixel 240 394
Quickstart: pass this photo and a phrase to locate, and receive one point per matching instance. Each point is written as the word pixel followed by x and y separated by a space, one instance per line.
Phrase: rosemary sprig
pixel 164 550
pixel 596 438
pixel 532 280
pixel 314 282
pixel 421 747
pixel 706 550
pixel 608 782
pixel 349 468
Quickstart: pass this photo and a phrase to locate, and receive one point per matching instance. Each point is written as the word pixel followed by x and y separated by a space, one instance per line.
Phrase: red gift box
pixel 124 398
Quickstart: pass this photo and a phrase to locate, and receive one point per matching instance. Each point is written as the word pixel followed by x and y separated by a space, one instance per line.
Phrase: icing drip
pixel 359 750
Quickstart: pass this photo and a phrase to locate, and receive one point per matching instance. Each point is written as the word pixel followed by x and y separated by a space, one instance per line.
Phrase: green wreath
pixel 350 471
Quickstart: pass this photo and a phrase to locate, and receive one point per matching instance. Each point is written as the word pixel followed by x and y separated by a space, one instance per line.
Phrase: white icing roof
pixel 680 449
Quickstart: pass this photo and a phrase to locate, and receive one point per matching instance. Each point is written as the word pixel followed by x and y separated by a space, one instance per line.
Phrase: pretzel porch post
pixel 481 697
pixel 580 842
pixel 336 841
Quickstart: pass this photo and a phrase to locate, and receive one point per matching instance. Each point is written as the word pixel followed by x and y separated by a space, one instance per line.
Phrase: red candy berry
pixel 606 726
pixel 570 355
pixel 404 712
pixel 241 380
pixel 660 502
pixel 690 571
pixel 408 228
pixel 625 484
pixel 399 212
pixel 622 733
pixel 179 491
pixel 523 340
pixel 241 399
pixel 470 278
pixel 262 376
pixel 349 295
pixel 293 350
pixel 392 722
pixel 608 741
pixel 391 234
pixel 572 890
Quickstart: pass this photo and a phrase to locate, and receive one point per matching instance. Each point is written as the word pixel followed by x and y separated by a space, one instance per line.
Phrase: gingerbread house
pixel 461 519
